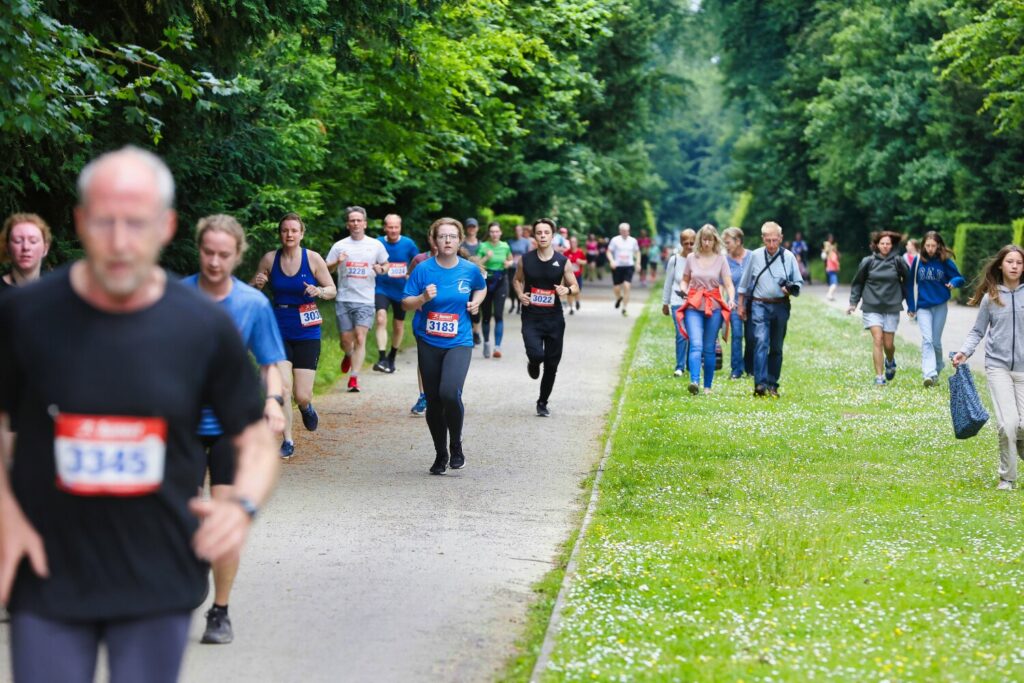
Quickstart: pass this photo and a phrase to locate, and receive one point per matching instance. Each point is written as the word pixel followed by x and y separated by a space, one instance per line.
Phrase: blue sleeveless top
pixel 289 294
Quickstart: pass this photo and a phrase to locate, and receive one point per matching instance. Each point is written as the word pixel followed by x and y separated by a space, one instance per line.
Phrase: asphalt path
pixel 363 567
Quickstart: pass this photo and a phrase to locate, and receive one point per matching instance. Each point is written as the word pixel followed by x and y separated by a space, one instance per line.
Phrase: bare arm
pixel 273 412
pixel 262 275
pixel 18 538
pixel 323 277
pixel 571 285
pixel 519 284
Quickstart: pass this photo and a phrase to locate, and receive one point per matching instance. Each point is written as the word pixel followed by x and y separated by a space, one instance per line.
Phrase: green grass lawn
pixel 838 533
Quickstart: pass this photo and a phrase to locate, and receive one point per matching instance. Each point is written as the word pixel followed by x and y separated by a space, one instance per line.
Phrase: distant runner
pixel 388 294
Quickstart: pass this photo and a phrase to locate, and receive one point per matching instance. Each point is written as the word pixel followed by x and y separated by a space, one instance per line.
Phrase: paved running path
pixel 365 568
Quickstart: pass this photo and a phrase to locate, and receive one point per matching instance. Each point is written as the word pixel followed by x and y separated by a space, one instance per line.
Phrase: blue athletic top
pixel 254 318
pixel 444 321
pixel 932 277
pixel 402 251
pixel 289 294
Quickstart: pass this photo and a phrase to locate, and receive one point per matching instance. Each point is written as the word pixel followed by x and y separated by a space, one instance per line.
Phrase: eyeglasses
pixel 446 238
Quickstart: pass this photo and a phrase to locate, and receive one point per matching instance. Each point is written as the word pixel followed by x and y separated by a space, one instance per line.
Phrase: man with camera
pixel 770 278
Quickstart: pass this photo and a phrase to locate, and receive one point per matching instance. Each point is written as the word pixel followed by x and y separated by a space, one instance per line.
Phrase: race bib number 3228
pixel 108 455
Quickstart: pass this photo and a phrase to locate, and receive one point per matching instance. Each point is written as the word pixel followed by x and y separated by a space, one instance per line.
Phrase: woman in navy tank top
pixel 297 277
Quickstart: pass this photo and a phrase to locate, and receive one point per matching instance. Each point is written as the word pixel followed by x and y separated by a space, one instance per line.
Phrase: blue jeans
pixel 703 330
pixel 769 322
pixel 736 329
pixel 930 321
pixel 682 343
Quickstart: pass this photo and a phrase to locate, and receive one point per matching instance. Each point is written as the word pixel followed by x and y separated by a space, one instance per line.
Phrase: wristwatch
pixel 277 397
pixel 247 505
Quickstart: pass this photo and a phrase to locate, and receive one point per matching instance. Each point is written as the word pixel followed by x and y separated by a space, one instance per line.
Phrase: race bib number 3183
pixel 101 455
pixel 442 324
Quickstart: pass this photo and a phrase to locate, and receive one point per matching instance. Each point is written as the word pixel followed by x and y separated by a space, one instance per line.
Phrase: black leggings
pixel 543 337
pixel 444 374
pixel 494 303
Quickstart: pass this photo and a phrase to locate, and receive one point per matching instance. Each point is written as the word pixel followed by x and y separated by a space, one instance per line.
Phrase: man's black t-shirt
pixel 111 387
pixel 539 281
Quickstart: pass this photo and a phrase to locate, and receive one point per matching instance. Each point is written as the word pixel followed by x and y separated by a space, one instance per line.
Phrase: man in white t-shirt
pixel 623 255
pixel 359 260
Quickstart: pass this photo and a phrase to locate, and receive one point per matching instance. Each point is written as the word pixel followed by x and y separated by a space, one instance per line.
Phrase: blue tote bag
pixel 965 407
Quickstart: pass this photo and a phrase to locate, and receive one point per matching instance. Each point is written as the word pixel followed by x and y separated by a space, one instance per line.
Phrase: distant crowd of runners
pixel 123 391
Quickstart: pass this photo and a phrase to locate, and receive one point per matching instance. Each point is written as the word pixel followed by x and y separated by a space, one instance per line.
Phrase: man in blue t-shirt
pixel 401 251
pixel 221 242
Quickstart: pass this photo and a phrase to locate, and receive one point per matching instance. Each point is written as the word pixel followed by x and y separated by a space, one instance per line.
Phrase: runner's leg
pixel 303 387
pixel 148 649
pixel 47 650
pixel 876 349
pixel 430 362
pixel 554 335
pixel 287 382
pixel 454 367
pixel 358 349
pixel 499 315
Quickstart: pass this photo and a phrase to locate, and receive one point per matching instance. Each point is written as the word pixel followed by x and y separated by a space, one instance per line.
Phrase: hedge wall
pixel 1018 232
pixel 974 244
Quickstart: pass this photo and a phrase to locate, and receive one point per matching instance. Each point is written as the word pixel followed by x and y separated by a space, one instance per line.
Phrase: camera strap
pixel 767 268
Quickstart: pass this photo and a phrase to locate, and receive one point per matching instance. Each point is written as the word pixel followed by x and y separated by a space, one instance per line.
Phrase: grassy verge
pixel 520 666
pixel 839 533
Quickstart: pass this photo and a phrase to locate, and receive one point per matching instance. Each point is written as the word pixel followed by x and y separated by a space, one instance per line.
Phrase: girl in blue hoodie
pixel 932 275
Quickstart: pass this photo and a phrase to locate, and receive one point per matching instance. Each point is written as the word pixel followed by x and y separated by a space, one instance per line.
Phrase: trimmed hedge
pixel 975 243
pixel 1018 232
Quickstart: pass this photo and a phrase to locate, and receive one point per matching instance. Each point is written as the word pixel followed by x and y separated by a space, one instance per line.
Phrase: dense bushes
pixel 975 243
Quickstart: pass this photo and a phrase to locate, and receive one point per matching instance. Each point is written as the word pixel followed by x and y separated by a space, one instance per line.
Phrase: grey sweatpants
pixel 1007 389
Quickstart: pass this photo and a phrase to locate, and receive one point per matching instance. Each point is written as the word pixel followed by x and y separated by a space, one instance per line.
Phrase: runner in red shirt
pixel 577 259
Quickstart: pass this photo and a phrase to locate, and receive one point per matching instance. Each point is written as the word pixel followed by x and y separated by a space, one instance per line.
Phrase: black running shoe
pixel 391 365
pixel 618 302
pixel 381 365
pixel 476 338
pixel 458 460
pixel 533 369
pixel 542 410
pixel 310 420
pixel 440 464
pixel 218 627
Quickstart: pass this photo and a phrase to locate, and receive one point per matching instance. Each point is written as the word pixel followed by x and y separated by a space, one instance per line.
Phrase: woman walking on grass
pixel 672 294
pixel 932 275
pixel 830 255
pixel 705 275
pixel 1000 301
pixel 881 281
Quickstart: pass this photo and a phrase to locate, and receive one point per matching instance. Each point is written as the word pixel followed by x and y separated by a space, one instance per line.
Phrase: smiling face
pixel 26 246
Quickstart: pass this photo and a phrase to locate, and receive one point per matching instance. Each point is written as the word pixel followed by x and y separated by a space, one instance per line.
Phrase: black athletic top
pixel 107 457
pixel 539 280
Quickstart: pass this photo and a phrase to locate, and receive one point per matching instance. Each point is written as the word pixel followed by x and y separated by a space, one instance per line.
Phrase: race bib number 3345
pixel 101 455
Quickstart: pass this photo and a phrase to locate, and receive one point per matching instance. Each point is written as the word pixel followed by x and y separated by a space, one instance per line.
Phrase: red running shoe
pixel 353 384
pixel 346 364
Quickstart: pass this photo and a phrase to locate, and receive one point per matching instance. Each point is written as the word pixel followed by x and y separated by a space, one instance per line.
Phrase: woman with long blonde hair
pixel 705 275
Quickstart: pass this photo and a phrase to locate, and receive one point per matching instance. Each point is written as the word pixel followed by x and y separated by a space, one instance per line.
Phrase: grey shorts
pixel 887 321
pixel 352 315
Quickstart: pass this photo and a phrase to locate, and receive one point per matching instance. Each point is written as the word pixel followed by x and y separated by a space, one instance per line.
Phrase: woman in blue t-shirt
pixel 444 291
pixel 932 275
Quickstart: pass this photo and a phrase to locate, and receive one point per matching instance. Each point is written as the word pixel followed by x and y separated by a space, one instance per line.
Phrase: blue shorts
pixel 833 277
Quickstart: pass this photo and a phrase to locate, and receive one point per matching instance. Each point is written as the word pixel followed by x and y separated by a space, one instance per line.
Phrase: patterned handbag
pixel 965 407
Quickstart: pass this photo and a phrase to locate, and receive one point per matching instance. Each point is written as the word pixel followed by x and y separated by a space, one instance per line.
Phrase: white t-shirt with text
pixel 622 250
pixel 356 277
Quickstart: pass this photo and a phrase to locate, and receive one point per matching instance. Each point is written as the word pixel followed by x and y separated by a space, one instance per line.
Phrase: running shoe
pixel 391 365
pixel 677 373
pixel 458 460
pixel 618 302
pixel 346 364
pixel 693 388
pixel 572 312
pixel 218 627
pixel 929 381
pixel 440 464
pixel 533 369
pixel 1004 485
pixel 624 314
pixel 487 349
pixel 542 409
pixel 420 406
pixel 381 365
pixel 890 369
pixel 497 353
pixel 310 419
pixel 880 381
pixel 353 385
pixel 577 305
pixel 287 449
pixel 476 339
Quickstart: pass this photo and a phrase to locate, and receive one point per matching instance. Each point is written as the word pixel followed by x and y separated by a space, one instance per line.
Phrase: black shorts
pixel 303 354
pixel 622 274
pixel 220 459
pixel 591 258
pixel 382 301
pixel 645 261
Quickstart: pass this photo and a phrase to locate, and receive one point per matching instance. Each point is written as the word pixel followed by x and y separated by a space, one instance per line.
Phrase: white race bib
pixel 442 324
pixel 542 297
pixel 309 315
pixel 358 269
pixel 109 455
pixel 397 269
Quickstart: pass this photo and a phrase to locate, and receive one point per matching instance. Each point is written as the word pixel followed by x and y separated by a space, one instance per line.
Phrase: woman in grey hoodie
pixel 880 287
pixel 1000 301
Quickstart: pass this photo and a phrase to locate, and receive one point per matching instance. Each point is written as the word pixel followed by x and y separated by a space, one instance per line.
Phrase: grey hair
pixel 355 209
pixel 162 174
pixel 733 232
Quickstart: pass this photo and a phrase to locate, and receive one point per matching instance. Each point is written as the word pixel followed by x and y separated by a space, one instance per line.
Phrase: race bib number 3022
pixel 109 455
pixel 442 324
pixel 542 297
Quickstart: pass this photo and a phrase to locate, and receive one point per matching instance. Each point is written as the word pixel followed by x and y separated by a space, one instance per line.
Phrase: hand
pixel 949 286
pixel 274 415
pixel 524 299
pixel 17 540
pixel 260 279
pixel 664 309
pixel 472 306
pixel 223 527
pixel 429 293
pixel 958 359
pixel 911 314
pixel 561 290
pixel 743 313
pixel 313 291
pixel 850 310
pixel 380 268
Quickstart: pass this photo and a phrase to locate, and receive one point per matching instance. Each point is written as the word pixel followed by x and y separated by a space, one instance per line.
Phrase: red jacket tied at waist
pixel 703 298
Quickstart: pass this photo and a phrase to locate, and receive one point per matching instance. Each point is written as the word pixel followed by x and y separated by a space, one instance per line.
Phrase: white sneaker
pixel 487 349
pixel 1004 485
pixel 678 373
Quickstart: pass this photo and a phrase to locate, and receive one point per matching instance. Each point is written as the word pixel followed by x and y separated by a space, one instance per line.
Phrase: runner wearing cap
pixel 443 291
pixel 103 541
pixel 541 280
pixel 298 317
pixel 358 261
pixel 401 251
pixel 221 242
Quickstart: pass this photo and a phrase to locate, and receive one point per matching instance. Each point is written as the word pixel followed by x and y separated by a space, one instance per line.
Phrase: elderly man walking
pixel 770 278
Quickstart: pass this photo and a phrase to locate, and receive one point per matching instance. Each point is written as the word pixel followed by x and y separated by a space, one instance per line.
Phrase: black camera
pixel 790 286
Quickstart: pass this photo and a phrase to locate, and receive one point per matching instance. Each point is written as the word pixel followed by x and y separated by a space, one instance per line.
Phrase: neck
pixel 1011 284
pixel 20 277
pixel 737 252
pixel 291 251
pixel 447 260
pixel 145 295
pixel 216 291
pixel 545 252
pixel 771 252
pixel 394 241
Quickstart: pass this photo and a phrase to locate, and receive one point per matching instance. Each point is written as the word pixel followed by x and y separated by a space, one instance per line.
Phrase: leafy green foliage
pixel 976 243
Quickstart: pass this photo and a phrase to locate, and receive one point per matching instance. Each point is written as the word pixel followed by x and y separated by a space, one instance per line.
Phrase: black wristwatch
pixel 277 397
pixel 247 505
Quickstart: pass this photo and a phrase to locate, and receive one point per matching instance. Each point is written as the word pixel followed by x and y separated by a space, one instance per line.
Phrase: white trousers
pixel 1007 389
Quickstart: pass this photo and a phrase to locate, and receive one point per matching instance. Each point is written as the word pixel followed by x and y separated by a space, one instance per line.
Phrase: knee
pixel 450 395
pixel 303 395
pixel 382 317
